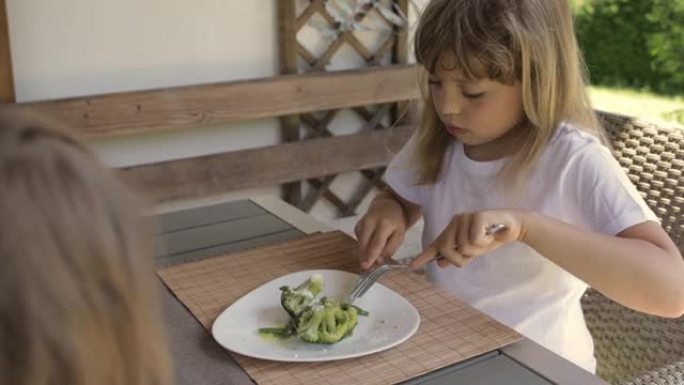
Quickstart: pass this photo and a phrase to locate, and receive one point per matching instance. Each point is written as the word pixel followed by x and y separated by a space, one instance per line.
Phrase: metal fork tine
pixel 362 282
pixel 359 286
pixel 368 282
pixel 352 295
pixel 370 279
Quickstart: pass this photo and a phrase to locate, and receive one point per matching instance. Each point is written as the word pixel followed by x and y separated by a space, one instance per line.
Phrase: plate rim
pixel 408 335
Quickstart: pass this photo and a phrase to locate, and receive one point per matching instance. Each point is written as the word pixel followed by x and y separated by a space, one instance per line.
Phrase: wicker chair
pixel 631 347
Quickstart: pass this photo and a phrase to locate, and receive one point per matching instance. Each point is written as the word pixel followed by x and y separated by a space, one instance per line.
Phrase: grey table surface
pixel 192 232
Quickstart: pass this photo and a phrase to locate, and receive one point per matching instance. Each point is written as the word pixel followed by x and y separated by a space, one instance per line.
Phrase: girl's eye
pixel 472 95
pixel 434 82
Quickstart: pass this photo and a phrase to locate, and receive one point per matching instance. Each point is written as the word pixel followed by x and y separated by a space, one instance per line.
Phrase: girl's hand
pixel 380 232
pixel 465 237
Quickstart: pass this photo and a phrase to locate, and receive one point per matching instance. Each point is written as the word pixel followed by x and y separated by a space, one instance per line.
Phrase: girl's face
pixel 475 112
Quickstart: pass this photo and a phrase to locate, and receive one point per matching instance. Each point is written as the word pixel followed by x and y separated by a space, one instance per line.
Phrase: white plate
pixel 392 320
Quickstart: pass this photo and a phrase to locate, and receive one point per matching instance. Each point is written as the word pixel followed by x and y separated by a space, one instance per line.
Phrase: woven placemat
pixel 450 331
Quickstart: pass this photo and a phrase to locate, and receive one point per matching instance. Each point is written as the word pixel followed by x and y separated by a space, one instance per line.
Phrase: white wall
pixel 69 48
pixel 64 48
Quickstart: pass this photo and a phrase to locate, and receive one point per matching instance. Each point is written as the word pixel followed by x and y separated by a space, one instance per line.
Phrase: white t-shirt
pixel 576 180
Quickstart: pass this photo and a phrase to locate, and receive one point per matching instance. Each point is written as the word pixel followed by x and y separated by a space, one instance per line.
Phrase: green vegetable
pixel 286 331
pixel 325 321
pixel 294 301
pixel 360 311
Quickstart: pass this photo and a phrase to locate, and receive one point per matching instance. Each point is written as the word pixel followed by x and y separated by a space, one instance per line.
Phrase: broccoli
pixel 327 322
pixel 324 322
pixel 294 301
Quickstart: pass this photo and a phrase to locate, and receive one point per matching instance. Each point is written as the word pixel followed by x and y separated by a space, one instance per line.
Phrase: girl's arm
pixel 640 268
pixel 381 230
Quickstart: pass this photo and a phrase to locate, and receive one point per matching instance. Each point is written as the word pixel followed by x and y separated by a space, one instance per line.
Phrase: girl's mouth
pixel 455 130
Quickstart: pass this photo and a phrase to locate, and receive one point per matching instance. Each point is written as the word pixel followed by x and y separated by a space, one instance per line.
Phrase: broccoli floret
pixel 294 301
pixel 327 322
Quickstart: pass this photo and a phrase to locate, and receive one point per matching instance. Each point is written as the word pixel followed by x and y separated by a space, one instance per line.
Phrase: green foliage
pixel 666 44
pixel 633 43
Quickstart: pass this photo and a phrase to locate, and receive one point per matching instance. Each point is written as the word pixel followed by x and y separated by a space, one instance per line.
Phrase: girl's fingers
pixel 464 242
pixel 477 233
pixel 465 238
pixel 363 235
pixel 426 256
pixel 443 262
pixel 462 237
pixel 376 246
pixel 449 256
pixel 454 257
pixel 475 237
pixel 443 245
pixel 393 244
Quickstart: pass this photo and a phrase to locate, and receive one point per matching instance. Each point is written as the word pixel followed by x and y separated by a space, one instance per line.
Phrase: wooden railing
pixel 187 107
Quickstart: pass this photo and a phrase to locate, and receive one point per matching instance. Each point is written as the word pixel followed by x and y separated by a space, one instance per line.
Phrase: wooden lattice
pixel 316 125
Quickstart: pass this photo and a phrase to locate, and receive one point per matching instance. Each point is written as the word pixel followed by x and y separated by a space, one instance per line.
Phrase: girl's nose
pixel 451 101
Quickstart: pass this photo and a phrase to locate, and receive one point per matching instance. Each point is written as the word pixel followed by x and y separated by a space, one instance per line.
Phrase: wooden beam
pixel 147 111
pixel 268 166
pixel 289 125
pixel 6 77
pixel 401 47
pixel 400 55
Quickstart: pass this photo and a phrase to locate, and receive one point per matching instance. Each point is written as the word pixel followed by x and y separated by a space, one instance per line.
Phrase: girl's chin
pixel 463 136
pixel 469 140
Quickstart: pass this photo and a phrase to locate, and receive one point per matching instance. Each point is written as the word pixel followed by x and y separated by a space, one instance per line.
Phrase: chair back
pixel 633 347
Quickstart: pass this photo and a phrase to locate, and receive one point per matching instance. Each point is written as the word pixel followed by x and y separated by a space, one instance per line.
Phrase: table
pixel 188 232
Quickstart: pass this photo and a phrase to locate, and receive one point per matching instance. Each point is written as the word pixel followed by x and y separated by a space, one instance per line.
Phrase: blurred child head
pixel 78 301
pixel 527 43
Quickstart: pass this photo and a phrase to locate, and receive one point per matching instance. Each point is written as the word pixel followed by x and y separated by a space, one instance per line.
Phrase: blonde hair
pixel 530 41
pixel 79 303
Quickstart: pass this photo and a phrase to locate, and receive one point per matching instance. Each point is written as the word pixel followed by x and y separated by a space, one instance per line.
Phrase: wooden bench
pixel 187 107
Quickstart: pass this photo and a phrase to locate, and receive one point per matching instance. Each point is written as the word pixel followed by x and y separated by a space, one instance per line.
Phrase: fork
pixel 367 279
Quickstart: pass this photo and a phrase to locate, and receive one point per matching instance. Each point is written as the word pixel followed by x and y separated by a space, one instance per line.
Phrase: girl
pixel 508 137
pixel 78 303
